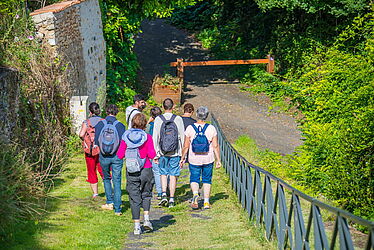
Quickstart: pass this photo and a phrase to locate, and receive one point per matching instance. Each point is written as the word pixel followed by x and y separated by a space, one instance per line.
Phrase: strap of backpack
pixel 195 128
pixel 163 118
pixel 205 127
pixel 115 123
pixel 88 123
pixel 172 117
pixel 105 122
pixel 128 118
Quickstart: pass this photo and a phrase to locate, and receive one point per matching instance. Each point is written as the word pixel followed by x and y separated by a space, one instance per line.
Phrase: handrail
pixel 287 226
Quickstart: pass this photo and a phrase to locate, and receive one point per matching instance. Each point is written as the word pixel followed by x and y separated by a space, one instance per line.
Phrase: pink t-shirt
pixel 145 150
pixel 201 159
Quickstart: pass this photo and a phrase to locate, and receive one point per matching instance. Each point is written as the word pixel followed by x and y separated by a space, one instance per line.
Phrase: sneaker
pixel 164 201
pixel 195 202
pixel 148 226
pixel 118 213
pixel 137 231
pixel 206 205
pixel 95 196
pixel 171 204
pixel 159 196
pixel 107 206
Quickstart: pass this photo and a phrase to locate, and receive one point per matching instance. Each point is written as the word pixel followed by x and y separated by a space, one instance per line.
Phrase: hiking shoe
pixel 206 205
pixel 107 206
pixel 148 226
pixel 164 201
pixel 159 196
pixel 137 231
pixel 118 213
pixel 171 204
pixel 195 202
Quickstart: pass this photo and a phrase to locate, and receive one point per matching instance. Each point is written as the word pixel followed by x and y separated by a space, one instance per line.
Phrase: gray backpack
pixel 169 136
pixel 109 138
pixel 133 161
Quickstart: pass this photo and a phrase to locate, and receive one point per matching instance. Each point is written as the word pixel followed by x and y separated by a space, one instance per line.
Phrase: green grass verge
pixel 74 221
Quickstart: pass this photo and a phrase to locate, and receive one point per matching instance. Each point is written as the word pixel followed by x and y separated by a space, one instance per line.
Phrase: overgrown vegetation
pixel 38 146
pixel 122 20
pixel 324 62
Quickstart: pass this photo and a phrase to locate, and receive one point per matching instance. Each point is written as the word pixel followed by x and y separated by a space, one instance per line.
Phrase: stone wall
pixel 74 29
pixel 9 102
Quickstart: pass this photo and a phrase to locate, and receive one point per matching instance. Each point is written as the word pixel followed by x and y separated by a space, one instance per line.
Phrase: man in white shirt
pixel 137 107
pixel 168 160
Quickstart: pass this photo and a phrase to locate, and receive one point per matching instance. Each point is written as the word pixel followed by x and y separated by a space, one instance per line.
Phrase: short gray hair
pixel 202 113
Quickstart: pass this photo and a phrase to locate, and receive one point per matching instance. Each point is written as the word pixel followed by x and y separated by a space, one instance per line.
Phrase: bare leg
pixel 173 185
pixel 164 183
pixel 206 188
pixel 194 187
pixel 94 188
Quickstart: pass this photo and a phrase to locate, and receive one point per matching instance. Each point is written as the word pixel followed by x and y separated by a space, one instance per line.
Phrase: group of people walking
pixel 154 152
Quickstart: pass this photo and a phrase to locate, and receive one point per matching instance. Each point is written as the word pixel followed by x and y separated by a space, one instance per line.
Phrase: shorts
pixel 205 171
pixel 170 165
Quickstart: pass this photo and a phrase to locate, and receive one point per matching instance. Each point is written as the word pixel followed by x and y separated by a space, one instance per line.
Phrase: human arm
pixel 151 153
pixel 185 148
pixel 122 150
pixel 156 136
pixel 216 151
pixel 83 130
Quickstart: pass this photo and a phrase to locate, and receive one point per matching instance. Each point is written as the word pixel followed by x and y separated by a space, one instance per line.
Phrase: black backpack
pixel 169 135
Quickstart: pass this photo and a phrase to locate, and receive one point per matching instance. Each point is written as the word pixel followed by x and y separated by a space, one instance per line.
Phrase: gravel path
pixel 238 112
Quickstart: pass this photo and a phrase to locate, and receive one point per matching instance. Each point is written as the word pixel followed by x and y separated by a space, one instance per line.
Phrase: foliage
pixel 37 150
pixel 324 62
pixel 122 22
pixel 167 80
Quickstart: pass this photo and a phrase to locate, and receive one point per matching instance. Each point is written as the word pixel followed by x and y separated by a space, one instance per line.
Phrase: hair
pixel 155 111
pixel 139 121
pixel 188 108
pixel 202 113
pixel 111 109
pixel 138 97
pixel 94 108
pixel 168 104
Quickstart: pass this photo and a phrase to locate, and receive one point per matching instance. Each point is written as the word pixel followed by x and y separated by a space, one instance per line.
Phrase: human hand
pixel 155 160
pixel 218 164
pixel 181 163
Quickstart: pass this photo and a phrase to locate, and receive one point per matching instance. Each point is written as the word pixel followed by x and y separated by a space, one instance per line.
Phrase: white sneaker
pixel 107 206
pixel 137 231
pixel 148 226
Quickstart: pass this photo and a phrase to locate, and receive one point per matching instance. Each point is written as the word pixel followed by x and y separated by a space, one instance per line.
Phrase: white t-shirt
pixel 131 113
pixel 201 159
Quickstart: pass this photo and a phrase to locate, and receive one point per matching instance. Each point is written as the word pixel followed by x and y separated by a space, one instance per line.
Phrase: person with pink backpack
pixel 91 151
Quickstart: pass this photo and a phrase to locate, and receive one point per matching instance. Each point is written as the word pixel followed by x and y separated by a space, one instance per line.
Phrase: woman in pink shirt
pixel 140 183
pixel 201 157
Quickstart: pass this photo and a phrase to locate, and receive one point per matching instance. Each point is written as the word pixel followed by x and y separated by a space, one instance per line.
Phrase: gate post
pixel 180 74
pixel 270 65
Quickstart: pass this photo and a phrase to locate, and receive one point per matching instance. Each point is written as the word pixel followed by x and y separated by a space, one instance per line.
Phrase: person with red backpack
pixel 91 150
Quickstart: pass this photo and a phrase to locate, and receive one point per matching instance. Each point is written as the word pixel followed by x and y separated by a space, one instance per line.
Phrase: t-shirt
pixel 130 111
pixel 94 120
pixel 205 158
pixel 187 121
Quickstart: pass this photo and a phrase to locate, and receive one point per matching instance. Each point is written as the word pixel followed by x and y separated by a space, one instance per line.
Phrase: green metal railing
pixel 254 187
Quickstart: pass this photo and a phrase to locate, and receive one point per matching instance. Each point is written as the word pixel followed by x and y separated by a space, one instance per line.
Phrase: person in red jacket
pixel 140 183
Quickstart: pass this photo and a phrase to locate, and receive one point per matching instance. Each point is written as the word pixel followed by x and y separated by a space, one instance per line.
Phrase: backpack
pixel 133 161
pixel 88 142
pixel 200 143
pixel 109 138
pixel 169 135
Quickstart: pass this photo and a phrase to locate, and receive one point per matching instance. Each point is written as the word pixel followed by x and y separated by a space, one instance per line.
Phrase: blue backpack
pixel 109 138
pixel 200 143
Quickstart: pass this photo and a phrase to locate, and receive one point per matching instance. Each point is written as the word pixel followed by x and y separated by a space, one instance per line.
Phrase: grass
pixel 74 221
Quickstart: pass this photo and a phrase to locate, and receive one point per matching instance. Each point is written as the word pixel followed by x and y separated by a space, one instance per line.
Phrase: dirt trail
pixel 238 112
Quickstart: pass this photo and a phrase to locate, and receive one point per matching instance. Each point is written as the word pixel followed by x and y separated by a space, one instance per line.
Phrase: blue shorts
pixel 205 171
pixel 170 165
